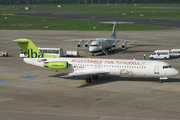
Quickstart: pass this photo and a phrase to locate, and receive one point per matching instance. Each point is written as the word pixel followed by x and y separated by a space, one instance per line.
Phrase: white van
pixel 175 53
pixel 160 54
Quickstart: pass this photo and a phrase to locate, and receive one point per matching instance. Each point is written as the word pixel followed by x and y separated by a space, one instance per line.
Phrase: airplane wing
pixel 89 39
pixel 123 40
pixel 86 73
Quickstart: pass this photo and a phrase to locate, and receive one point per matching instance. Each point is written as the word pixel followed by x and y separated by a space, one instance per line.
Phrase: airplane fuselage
pixel 96 46
pixel 112 66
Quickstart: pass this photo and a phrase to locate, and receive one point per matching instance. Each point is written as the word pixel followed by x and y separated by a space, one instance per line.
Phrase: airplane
pixel 105 44
pixel 93 67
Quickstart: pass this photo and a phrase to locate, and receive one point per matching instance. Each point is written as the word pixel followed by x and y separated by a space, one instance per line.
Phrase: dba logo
pixel 32 54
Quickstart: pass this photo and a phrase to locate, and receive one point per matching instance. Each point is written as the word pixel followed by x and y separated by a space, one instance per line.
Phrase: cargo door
pixel 156 69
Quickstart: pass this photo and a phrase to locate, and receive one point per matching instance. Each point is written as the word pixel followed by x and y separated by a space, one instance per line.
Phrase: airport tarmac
pixel 29 92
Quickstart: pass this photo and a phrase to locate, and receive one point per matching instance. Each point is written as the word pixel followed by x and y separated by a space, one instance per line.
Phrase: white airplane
pixel 105 44
pixel 94 67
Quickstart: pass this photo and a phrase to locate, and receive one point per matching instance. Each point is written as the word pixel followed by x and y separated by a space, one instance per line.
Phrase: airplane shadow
pixel 109 78
pixel 8 56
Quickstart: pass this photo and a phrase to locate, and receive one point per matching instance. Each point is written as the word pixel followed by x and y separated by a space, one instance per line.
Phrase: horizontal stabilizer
pixel 117 22
pixel 15 42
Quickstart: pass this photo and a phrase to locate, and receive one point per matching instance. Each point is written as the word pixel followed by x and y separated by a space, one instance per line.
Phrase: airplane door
pixel 156 69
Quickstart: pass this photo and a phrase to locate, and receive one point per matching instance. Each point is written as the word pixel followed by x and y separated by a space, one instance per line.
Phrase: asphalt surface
pixel 28 92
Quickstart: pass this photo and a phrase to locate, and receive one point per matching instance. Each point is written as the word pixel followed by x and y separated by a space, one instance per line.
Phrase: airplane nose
pixel 172 72
pixel 176 72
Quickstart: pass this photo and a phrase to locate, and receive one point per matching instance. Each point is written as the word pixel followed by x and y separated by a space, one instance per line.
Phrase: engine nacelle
pixel 87 45
pixel 56 65
pixel 114 45
pixel 123 46
pixel 79 44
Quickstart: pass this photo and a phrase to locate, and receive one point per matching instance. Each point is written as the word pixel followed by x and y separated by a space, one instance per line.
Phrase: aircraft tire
pixel 88 80
pixel 94 77
pixel 160 81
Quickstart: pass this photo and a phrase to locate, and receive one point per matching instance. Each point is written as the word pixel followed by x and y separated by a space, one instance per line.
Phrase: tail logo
pixel 31 54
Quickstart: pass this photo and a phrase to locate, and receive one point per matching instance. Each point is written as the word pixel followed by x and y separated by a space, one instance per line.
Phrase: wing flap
pixel 86 73
pixel 123 40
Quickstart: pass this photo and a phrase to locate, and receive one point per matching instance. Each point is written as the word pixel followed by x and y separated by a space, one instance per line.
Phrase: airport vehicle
pixel 72 53
pixel 160 54
pixel 105 44
pixel 175 53
pixel 58 52
pixel 3 53
pixel 94 67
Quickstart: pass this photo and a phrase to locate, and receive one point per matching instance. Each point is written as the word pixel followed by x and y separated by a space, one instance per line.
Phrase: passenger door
pixel 156 69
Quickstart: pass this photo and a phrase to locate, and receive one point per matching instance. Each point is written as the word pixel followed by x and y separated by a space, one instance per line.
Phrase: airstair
pixel 104 50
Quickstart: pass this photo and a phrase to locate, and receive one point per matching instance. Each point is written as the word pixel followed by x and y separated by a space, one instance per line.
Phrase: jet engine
pixel 79 44
pixel 123 46
pixel 87 44
pixel 56 65
pixel 114 45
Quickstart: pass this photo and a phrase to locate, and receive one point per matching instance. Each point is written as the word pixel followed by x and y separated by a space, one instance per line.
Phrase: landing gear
pixel 88 80
pixel 160 81
pixel 92 54
pixel 94 77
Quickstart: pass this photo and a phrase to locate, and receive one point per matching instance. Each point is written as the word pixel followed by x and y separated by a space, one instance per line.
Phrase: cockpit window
pixel 164 67
pixel 94 45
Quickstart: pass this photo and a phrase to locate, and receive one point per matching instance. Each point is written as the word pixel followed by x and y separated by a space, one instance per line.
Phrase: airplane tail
pixel 29 49
pixel 114 31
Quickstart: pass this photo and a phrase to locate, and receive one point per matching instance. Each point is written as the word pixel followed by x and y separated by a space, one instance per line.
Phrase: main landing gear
pixel 160 81
pixel 94 77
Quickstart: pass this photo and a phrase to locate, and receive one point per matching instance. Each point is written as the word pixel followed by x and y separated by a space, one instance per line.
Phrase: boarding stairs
pixel 104 50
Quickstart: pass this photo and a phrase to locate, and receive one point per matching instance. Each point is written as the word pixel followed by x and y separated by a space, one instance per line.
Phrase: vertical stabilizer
pixel 30 50
pixel 114 31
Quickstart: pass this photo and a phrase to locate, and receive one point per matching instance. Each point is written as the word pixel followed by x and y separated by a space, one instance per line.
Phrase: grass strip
pixel 71 25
